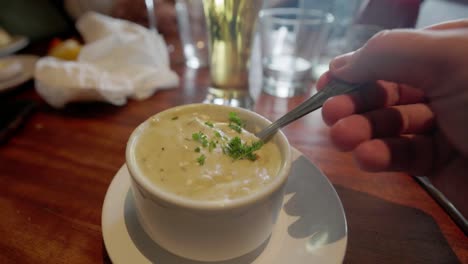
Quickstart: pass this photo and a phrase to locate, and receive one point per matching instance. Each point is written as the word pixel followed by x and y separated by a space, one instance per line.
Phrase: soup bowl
pixel 208 230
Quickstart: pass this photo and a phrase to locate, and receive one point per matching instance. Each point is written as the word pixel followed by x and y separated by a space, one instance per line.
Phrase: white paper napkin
pixel 120 60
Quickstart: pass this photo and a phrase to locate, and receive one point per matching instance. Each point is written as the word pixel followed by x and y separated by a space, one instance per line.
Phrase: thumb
pixel 454 24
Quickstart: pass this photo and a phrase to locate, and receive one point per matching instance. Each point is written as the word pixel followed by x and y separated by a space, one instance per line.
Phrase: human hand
pixel 413 114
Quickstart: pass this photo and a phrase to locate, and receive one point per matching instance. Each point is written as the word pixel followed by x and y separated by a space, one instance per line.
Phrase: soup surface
pixel 203 157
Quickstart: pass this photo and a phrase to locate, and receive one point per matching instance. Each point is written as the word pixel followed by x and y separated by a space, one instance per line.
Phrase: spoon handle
pixel 333 88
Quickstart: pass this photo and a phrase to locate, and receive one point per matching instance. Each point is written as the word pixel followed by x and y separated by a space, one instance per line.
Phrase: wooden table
pixel 55 171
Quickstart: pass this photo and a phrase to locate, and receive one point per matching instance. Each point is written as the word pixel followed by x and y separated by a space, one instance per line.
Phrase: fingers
pixel 323 80
pixel 378 95
pixel 454 24
pixel 402 56
pixel 412 154
pixel 351 131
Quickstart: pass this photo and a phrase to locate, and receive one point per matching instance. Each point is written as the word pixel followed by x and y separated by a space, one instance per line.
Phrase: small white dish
pixel 16 43
pixel 311 227
pixel 27 63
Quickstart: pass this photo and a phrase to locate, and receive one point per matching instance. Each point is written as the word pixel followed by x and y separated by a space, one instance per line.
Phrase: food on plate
pixel 5 38
pixel 9 69
pixel 66 50
pixel 205 155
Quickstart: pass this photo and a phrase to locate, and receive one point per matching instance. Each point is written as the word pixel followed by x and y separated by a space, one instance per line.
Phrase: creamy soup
pixel 197 156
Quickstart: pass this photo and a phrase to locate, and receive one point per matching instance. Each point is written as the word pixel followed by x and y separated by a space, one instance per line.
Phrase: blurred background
pixel 41 19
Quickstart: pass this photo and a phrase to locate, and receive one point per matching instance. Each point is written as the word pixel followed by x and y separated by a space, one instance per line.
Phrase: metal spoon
pixel 333 88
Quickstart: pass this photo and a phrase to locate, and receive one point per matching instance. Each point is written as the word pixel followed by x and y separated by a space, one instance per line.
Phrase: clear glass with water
pixel 344 36
pixel 291 40
pixel 193 33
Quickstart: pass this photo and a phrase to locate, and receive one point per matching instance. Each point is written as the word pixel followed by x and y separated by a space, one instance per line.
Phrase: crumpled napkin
pixel 120 60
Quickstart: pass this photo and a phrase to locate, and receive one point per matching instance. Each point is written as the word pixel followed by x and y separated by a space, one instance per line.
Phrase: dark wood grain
pixel 55 171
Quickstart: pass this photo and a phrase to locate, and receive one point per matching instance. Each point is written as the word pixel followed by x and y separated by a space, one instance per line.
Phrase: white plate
pixel 28 63
pixel 311 227
pixel 17 43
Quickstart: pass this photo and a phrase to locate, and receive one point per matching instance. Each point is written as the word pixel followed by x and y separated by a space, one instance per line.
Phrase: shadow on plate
pixel 380 231
pixel 156 254
pixel 315 202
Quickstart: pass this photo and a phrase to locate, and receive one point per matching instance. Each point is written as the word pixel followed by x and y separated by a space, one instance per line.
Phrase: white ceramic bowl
pixel 209 230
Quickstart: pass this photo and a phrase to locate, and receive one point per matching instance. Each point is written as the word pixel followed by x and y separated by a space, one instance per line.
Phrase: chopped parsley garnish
pixel 201 159
pixel 201 138
pixel 175 118
pixel 235 123
pixel 235 127
pixel 234 118
pixel 238 150
pixel 233 148
pixel 211 145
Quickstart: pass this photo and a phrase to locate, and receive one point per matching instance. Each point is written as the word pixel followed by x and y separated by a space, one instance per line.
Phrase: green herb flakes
pixel 235 123
pixel 238 150
pixel 201 159
pixel 234 118
pixel 201 138
pixel 235 127
pixel 234 148
pixel 211 145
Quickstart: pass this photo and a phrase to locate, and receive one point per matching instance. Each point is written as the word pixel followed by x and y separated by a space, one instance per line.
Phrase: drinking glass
pixel 230 24
pixel 344 35
pixel 192 30
pixel 291 40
